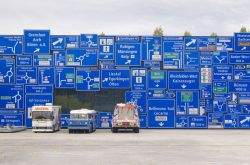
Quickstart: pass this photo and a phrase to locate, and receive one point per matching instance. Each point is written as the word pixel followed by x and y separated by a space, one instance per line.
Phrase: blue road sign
pixel 36 42
pixel 231 121
pixel 43 60
pixel 242 74
pixel 137 98
pixel 139 79
pixel 127 39
pixel 59 58
pixel 244 98
pixel 187 103
pixel 206 91
pixel 39 89
pixel 152 64
pixel 219 86
pixel 209 105
pixel 220 57
pixel 64 118
pixel 220 106
pixel 88 41
pixel 24 60
pixel 238 86
pixel 234 108
pixel 173 44
pixel 156 93
pixel 191 59
pixel 239 58
pixel 197 121
pixel 224 44
pixel 106 47
pixel 26 75
pixel 206 43
pixel 128 54
pixel 57 42
pixel 244 121
pixel 11 119
pixel 65 77
pixel 242 42
pixel 190 43
pixel 181 122
pixel 107 64
pixel 11 97
pixel 246 109
pixel 181 80
pixel 143 121
pixel 72 41
pixel 157 79
pixel 115 78
pixel 81 57
pixel 222 96
pixel 11 45
pixel 161 113
pixel 151 48
pixel 46 75
pixel 7 70
pixel 206 59
pixel 87 80
pixel 215 120
pixel 172 60
pixel 104 120
pixel 223 72
pixel 35 100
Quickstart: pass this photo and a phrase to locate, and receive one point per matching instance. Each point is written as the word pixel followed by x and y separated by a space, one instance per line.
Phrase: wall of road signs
pixel 176 82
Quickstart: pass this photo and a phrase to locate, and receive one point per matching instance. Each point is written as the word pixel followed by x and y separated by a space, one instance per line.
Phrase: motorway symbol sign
pixel 137 98
pixel 81 57
pixel 106 47
pixel 157 79
pixel 190 43
pixel 43 60
pixel 87 80
pixel 187 103
pixel 57 42
pixel 24 60
pixel 26 75
pixel 151 48
pixel 115 78
pixel 242 42
pixel 59 58
pixel 138 79
pixel 222 72
pixel 224 44
pixel 72 41
pixel 65 77
pixel 7 70
pixel 11 45
pixel 46 75
pixel 88 41
pixel 220 57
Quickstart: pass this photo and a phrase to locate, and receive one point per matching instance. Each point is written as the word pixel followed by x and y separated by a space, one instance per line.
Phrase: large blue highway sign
pixel 231 121
pixel 157 79
pixel 190 43
pixel 43 60
pixel 72 41
pixel 223 72
pixel 151 48
pixel 173 44
pixel 191 59
pixel 11 119
pixel 197 121
pixel 187 103
pixel 242 42
pixel 39 89
pixel 81 57
pixel 224 44
pixel 88 41
pixel 139 79
pixel 220 57
pixel 59 58
pixel 26 75
pixel 57 42
pixel 239 58
pixel 172 60
pixel 206 43
pixel 7 70
pixel 65 77
pixel 137 98
pixel 24 60
pixel 106 48
pixel 11 45
pixel 115 78
pixel 46 75
pixel 87 80
pixel 238 86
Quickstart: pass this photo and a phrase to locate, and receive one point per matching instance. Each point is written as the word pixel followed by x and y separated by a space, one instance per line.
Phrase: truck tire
pixel 136 130
pixel 114 130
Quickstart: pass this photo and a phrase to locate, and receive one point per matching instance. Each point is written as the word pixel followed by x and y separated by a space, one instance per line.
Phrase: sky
pixel 125 17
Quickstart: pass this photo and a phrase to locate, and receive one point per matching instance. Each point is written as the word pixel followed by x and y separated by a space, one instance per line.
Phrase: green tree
pixel 102 34
pixel 243 29
pixel 187 33
pixel 158 31
pixel 213 34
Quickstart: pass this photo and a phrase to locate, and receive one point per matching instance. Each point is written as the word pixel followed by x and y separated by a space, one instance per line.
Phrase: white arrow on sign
pixel 161 124
pixel 157 85
pixel 193 41
pixel 222 77
pixel 183 86
pixel 57 41
pixel 37 50
pixel 128 62
pixel 244 48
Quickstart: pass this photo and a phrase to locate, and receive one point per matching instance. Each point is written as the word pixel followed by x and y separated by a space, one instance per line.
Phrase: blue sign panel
pixel 81 57
pixel 224 44
pixel 59 58
pixel 36 42
pixel 152 64
pixel 206 91
pixel 242 42
pixel 172 60
pixel 173 44
pixel 238 86
pixel 161 113
pixel 231 121
pixel 7 70
pixel 35 100
pixel 220 106
pixel 87 80
pixel 46 75
pixel 138 99
pixel 246 109
pixel 143 121
pixel 11 45
pixel 39 89
pixel 206 59
pixel 152 48
pixel 43 60
pixel 57 42
pixel 11 119
pixel 113 78
pixel 191 59
pixel 197 121
pixel 187 103
pixel 104 120
pixel 190 43
pixel 234 108
pixel 11 97
pixel 157 79
pixel 206 43
pixel 26 75
pixel 239 58
pixel 65 77
pixel 127 39
pixel 72 42
pixel 180 80
pixel 139 79
pixel 242 74
pixel 88 41
pixel 24 60
pixel 215 120
pixel 107 64
pixel 64 120
pixel 128 54
pixel 244 98
pixel 156 93
pixel 106 48
pixel 223 72
pixel 220 58
pixel 219 87
pixel 244 121
pixel 181 122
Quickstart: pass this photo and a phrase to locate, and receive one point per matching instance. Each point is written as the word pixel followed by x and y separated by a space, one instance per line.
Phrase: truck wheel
pixel 114 130
pixel 70 131
pixel 136 130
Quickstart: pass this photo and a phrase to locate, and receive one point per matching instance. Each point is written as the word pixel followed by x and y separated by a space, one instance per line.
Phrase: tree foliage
pixel 213 34
pixel 243 29
pixel 158 31
pixel 187 33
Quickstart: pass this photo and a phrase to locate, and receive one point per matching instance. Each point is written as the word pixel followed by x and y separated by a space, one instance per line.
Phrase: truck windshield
pixel 125 113
pixel 42 115
pixel 79 116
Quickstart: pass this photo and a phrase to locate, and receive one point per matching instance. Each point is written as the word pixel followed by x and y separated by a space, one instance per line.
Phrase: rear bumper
pixel 42 130
pixel 78 127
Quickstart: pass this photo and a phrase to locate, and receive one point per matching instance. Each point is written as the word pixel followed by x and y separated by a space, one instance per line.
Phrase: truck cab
pixel 82 120
pixel 46 118
pixel 125 117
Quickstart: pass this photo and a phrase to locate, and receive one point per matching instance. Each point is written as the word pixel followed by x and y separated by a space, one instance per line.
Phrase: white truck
pixel 46 118
pixel 125 117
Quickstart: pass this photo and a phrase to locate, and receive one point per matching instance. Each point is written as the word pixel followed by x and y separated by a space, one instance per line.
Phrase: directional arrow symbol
pixel 157 85
pixel 37 50
pixel 183 86
pixel 161 124
pixel 128 62
pixel 193 41
pixel 57 41
pixel 222 77
pixel 244 48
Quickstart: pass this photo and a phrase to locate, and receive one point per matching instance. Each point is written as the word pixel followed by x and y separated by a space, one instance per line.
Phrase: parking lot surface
pixel 149 147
